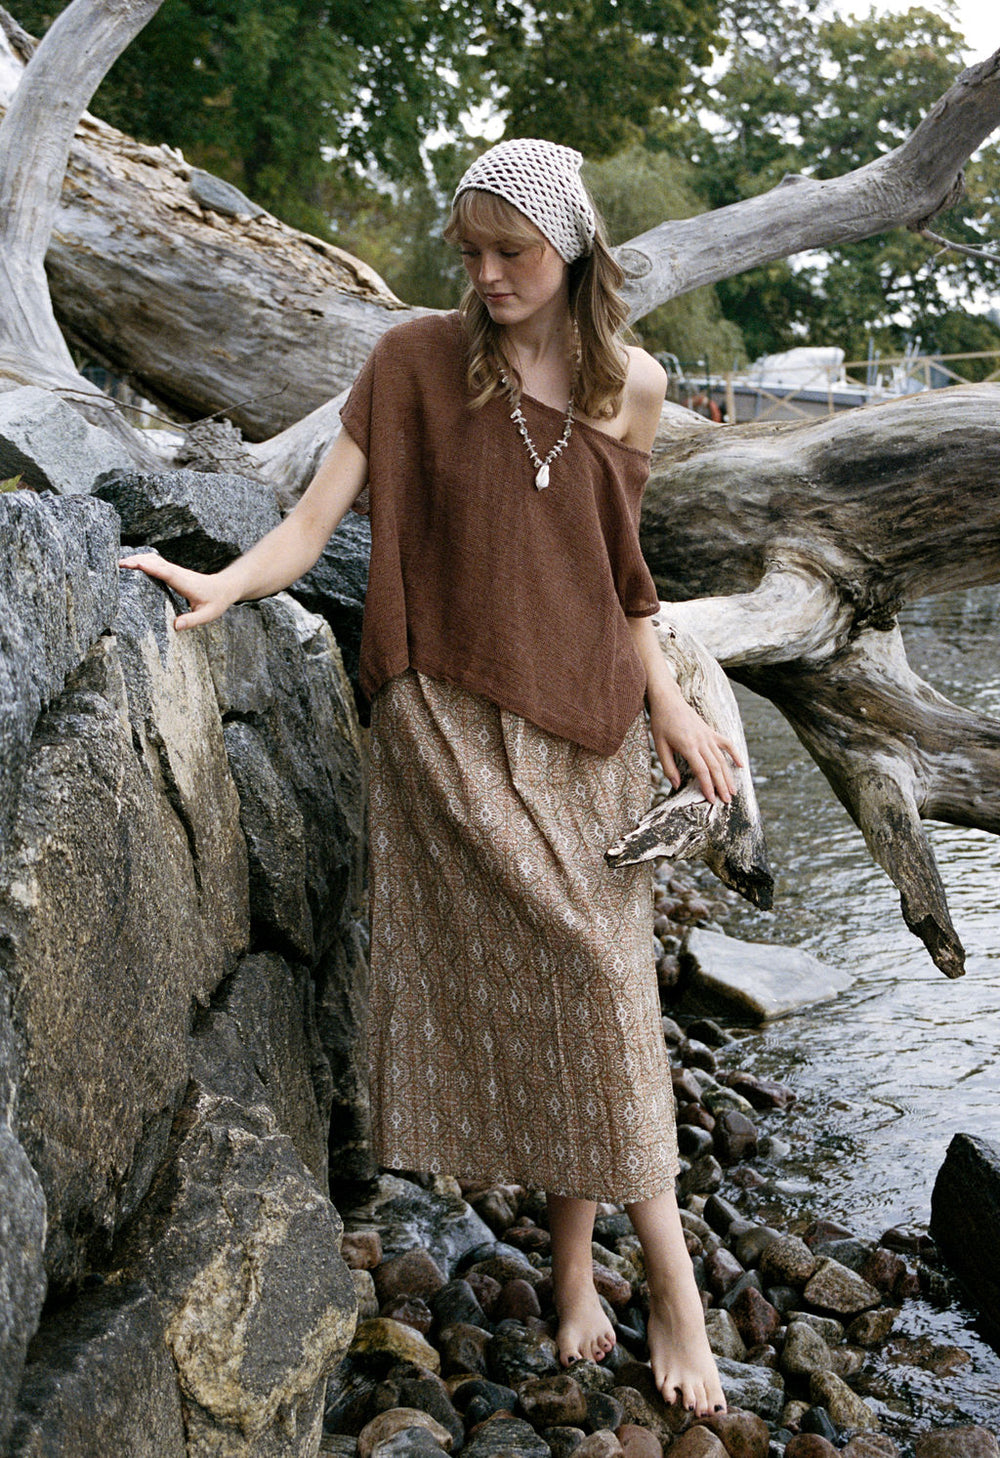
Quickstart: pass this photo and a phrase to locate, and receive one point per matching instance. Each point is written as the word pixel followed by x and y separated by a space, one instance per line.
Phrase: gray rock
pixel 271 1007
pixel 843 1405
pixel 834 1287
pixel 828 1327
pixel 102 1381
pixel 295 752
pixel 757 1389
pixel 22 1270
pixel 241 1248
pixel 965 1219
pixel 804 1351
pixel 200 519
pixel 277 670
pixel 121 910
pixel 723 1335
pixel 960 1442
pixel 212 192
pixel 506 1438
pixel 51 446
pixel 58 594
pixel 754 980
pixel 336 586
pixel 407 1216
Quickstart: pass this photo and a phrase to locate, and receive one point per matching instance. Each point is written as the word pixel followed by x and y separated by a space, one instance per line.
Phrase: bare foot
pixel 585 1333
pixel 684 1368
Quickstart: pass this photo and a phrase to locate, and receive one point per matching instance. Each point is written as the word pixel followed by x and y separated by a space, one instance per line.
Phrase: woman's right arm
pixel 280 558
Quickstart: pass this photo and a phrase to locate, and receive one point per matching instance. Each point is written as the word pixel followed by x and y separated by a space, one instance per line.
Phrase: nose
pixel 490 266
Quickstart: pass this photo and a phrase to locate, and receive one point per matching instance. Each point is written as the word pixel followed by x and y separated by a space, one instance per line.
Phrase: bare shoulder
pixel 645 390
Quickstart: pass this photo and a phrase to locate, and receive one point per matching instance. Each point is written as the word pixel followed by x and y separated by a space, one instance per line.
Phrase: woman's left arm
pixel 677 728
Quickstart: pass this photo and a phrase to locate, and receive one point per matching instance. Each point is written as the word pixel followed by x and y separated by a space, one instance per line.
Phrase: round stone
pixel 395 1420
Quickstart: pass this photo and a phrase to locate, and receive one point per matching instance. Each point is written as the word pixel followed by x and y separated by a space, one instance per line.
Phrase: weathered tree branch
pixel 810 539
pixel 911 184
pixel 35 138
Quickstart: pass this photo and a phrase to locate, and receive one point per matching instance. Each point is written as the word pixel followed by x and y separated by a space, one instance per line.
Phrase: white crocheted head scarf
pixel 542 180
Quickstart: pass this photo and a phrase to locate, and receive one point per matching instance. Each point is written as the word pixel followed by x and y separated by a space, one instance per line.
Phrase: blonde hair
pixel 595 304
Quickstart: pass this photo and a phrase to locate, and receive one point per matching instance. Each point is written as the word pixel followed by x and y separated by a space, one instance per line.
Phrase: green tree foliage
pixel 822 97
pixel 294 100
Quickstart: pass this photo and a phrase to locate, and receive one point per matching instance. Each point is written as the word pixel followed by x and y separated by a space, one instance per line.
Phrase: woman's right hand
pixel 205 591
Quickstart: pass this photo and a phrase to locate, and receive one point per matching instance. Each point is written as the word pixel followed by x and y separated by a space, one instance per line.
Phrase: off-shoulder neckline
pixel 579 424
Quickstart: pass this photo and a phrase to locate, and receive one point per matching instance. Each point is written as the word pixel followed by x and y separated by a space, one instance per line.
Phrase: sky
pixel 978 19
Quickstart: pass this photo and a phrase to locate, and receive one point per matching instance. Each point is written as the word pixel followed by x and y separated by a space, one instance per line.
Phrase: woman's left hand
pixel 678 729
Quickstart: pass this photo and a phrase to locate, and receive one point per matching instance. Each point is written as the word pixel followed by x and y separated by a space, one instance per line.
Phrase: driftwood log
pixel 786 550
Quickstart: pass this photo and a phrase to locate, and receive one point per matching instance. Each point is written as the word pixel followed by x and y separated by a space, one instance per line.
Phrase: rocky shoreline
pixel 454 1349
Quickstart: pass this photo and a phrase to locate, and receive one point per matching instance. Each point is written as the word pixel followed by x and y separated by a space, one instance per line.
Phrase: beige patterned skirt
pixel 515 1020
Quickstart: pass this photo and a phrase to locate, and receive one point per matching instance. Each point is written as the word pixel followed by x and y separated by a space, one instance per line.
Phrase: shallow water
pixel 890 1071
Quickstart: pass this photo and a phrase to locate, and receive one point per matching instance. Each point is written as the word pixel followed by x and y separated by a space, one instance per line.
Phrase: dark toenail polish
pixel 718 1407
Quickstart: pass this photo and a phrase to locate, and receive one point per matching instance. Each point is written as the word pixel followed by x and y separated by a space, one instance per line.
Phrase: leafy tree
pixel 825 96
pixel 298 101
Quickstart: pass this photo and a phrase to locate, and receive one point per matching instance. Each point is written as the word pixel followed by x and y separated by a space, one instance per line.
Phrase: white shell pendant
pixel 542 476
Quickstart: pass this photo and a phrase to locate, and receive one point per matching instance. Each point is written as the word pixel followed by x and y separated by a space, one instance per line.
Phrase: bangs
pixel 484 212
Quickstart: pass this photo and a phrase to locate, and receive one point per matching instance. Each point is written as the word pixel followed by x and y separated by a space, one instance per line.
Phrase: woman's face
pixel 515 281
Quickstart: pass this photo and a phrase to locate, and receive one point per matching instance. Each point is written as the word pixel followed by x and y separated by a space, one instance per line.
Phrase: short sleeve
pixel 356 416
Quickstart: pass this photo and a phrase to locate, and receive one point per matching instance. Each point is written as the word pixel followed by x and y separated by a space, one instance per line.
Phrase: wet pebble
pixel 810 1445
pixel 698 1442
pixel 395 1420
pixel 871 1328
pixel 463 1348
pixel 870 1445
pixel 743 1434
pixel 722 1270
pixel 638 1442
pixel 735 1137
pixel 414 1273
pixel 693 1141
pixel 704 1176
pixel 411 1311
pixel 512 1356
pixel 964 1442
pixel 834 1287
pixel 760 1093
pixel 364 1288
pixel 517 1299
pixel 602 1444
pixel 424 1391
pixel 696 1114
pixel 552 1401
pixel 694 1054
pixel 804 1351
pixel 503 1437
pixel 361 1249
pixel 757 1321
pixel 411 1442
pixel 843 1405
pixel 723 1335
pixel 604 1411
pixel 381 1342
pixel 485 1289
pixel 787 1261
pixel 707 1030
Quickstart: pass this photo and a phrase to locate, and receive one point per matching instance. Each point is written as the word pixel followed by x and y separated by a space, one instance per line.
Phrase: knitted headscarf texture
pixel 542 180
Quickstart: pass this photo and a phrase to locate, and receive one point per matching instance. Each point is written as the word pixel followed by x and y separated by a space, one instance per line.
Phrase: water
pixel 887 1073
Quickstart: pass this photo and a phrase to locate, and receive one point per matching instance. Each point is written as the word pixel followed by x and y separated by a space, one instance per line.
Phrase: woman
pixel 507 648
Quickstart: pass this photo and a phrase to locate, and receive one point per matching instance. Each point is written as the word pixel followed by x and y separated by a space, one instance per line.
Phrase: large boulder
pixel 336 586
pixel 50 445
pixel 110 941
pixel 200 519
pixel 296 756
pixel 101 1381
pixel 754 981
pixel 230 1302
pixel 22 1270
pixel 58 594
pixel 965 1219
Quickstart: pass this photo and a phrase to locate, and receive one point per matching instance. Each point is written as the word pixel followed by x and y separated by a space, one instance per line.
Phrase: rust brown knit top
pixel 477 577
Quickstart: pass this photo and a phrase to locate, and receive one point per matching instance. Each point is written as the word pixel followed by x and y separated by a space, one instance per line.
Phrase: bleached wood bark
pixel 795 547
pixel 35 137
